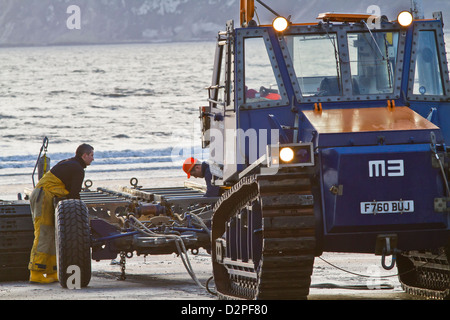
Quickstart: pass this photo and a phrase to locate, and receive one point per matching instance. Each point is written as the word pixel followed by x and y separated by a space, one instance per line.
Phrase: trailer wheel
pixel 73 244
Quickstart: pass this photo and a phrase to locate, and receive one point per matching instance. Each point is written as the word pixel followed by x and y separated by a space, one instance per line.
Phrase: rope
pixel 180 247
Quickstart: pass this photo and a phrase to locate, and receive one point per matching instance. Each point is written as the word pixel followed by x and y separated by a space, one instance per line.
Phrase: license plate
pixel 378 207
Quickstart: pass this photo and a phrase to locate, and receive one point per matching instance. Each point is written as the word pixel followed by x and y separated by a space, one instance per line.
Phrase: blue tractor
pixel 330 137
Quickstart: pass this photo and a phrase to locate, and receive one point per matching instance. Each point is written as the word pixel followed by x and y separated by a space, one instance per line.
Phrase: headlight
pixel 292 155
pixel 280 24
pixel 286 154
pixel 405 18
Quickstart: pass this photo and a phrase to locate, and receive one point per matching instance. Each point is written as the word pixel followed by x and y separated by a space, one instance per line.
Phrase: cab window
pixel 260 81
pixel 427 75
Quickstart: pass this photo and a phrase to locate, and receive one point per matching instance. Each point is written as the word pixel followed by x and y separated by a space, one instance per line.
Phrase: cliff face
pixel 46 22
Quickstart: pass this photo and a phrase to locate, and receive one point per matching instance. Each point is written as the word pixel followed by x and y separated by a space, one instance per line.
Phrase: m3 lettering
pixel 389 168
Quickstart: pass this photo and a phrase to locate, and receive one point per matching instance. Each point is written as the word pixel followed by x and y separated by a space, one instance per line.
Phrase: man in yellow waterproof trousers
pixel 64 180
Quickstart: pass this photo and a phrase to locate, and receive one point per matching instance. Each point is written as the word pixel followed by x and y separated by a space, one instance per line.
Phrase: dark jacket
pixel 211 190
pixel 71 173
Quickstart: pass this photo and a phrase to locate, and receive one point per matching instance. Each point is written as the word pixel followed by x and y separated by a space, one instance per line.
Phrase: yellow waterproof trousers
pixel 43 252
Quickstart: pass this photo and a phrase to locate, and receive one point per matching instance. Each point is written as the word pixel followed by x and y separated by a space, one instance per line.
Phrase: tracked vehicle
pixel 332 136
pixel 327 137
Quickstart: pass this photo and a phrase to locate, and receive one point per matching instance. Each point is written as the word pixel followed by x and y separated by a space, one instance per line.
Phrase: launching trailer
pixel 327 137
pixel 106 224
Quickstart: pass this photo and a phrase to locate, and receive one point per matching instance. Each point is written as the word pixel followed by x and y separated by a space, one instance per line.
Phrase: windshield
pixel 316 64
pixel 336 64
pixel 372 61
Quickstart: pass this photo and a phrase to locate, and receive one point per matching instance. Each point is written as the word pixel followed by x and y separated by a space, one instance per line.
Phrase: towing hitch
pixel 386 245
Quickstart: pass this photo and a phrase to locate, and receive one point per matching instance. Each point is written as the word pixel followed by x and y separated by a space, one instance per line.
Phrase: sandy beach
pixel 164 277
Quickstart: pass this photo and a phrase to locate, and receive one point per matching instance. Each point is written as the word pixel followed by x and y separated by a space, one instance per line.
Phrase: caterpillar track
pixel 264 233
pixel 426 274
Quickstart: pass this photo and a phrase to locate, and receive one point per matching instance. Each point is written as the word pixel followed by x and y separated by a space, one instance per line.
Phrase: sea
pixel 136 104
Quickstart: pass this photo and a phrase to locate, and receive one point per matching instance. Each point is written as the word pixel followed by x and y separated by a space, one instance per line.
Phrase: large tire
pixel 73 242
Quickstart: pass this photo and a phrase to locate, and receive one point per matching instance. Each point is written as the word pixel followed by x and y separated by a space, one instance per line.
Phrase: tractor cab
pixel 332 136
pixel 266 78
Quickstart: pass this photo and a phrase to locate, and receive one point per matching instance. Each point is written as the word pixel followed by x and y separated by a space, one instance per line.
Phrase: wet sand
pixel 164 277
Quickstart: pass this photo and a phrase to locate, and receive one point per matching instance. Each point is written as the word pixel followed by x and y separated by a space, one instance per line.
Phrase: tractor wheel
pixel 73 244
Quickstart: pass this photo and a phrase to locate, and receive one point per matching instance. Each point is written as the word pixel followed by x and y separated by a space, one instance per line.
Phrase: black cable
pixel 381 277
pixel 268 8
pixel 356 274
pixel 207 286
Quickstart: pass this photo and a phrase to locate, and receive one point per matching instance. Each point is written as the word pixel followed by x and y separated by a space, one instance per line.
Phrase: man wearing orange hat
pixel 197 169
